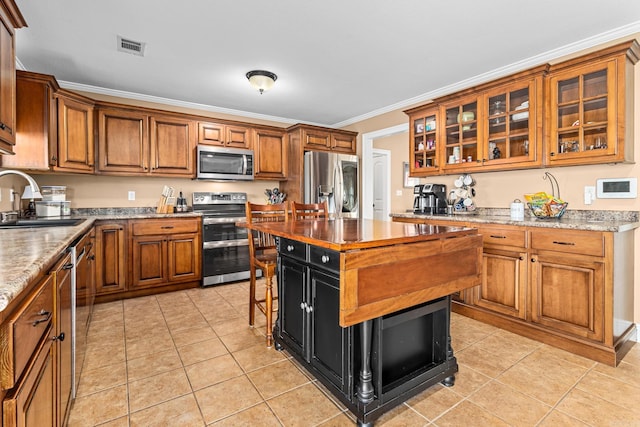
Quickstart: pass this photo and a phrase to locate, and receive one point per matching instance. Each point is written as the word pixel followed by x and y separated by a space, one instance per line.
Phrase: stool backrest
pixel 301 211
pixel 264 213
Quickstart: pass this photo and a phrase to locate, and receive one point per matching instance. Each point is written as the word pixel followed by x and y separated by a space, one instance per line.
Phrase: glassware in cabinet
pixel 461 133
pixel 424 142
pixel 508 124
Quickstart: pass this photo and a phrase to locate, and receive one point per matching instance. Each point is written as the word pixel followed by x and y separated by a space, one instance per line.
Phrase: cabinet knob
pixel 324 259
pixel 533 260
pixel 302 305
pixel 309 309
pixel 59 337
pixel 290 248
pixel 552 154
pixel 2 126
pixel 54 158
pixel 521 258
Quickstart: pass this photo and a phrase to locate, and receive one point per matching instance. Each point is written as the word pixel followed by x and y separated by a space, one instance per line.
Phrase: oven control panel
pixel 208 198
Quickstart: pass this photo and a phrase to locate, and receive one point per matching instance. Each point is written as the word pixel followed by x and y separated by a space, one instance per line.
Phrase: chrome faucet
pixel 34 186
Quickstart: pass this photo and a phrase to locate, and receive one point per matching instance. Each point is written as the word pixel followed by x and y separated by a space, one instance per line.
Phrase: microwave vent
pixel 130 46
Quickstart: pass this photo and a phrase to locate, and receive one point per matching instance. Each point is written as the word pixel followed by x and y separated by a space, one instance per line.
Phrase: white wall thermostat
pixel 617 188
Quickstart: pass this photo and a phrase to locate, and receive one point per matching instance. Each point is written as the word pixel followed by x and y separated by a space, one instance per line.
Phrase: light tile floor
pixel 189 358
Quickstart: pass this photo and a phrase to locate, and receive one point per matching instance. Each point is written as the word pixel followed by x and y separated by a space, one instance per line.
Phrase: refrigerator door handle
pixel 338 192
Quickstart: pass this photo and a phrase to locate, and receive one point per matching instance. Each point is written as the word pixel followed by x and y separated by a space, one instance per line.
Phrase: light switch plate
pixel 132 195
pixel 589 194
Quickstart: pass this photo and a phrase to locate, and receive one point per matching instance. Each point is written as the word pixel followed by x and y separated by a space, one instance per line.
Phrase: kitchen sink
pixel 43 222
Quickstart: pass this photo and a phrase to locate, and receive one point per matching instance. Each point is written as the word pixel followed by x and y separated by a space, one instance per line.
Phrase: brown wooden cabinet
pixel 75 150
pixel 10 18
pixel 590 108
pixel 425 154
pixel 133 142
pixel 63 337
pixel 225 135
pixel 316 138
pixel 165 251
pixel 556 286
pixel 270 147
pixel 110 252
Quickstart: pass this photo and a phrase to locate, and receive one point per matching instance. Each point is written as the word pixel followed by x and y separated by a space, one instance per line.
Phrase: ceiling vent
pixel 130 46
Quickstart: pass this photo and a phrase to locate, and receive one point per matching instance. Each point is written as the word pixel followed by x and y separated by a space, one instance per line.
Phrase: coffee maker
pixel 419 201
pixel 435 199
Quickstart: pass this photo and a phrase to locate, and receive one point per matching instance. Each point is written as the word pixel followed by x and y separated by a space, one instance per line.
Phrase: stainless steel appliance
pixel 418 199
pixel 225 248
pixel 332 177
pixel 435 199
pixel 225 164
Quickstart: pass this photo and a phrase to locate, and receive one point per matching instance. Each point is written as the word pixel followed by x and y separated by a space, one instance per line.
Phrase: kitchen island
pixel 364 305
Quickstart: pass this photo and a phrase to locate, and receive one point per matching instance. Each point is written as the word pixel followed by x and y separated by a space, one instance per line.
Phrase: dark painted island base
pixel 378 364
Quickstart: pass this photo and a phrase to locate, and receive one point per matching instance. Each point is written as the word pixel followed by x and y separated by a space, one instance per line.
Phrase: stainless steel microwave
pixel 220 163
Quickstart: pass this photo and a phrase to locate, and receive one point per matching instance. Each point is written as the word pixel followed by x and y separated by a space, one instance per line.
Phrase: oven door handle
pixel 225 244
pixel 207 221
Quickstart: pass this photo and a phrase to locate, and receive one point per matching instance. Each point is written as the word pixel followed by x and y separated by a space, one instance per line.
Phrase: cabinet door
pixel 316 139
pixel 462 133
pixel 32 403
pixel 513 125
pixel 75 137
pixel 567 294
pixel 63 337
pixel 148 261
pixel 123 142
pixel 271 154
pixel 35 124
pixel 238 136
pixel 424 143
pixel 7 86
pixel 111 246
pixel 343 143
pixel 173 142
pixel 184 258
pixel 329 342
pixel 211 133
pixel 292 315
pixel 504 278
pixel 584 115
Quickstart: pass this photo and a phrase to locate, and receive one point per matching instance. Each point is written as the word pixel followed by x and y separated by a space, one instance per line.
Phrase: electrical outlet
pixel 589 194
pixel 132 195
pixel 12 196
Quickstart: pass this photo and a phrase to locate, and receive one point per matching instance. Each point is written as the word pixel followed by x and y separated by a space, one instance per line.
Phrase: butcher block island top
pixel 386 266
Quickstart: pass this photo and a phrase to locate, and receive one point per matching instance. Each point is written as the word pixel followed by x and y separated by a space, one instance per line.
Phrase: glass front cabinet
pixel 424 159
pixel 590 108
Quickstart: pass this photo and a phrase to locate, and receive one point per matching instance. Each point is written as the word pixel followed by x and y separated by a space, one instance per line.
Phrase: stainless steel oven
pixel 225 248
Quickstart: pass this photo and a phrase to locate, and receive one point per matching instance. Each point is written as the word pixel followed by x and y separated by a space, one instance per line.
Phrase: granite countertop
pixel 25 252
pixel 351 233
pixel 613 221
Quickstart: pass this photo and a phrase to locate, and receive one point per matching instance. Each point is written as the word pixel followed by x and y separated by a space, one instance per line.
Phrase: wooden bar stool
pixel 301 211
pixel 263 255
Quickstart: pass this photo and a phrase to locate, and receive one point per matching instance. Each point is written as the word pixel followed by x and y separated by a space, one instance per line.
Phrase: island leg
pixel 365 386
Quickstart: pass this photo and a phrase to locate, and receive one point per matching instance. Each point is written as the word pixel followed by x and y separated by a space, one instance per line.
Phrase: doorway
pixel 368 166
pixel 381 184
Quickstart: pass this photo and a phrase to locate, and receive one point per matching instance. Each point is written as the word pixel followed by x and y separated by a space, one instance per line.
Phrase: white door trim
pixel 367 165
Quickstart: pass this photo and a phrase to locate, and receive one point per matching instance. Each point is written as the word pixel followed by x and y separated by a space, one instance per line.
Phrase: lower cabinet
pixel 110 251
pixel 134 256
pixel 557 286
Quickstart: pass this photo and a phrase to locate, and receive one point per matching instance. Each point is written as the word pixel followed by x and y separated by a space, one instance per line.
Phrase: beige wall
pixel 494 189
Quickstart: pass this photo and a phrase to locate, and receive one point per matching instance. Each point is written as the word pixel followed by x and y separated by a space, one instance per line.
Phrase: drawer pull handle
pixel 324 259
pixel 497 237
pixel 290 248
pixel 68 266
pixel 46 314
pixel 167 227
pixel 59 337
pixel 564 243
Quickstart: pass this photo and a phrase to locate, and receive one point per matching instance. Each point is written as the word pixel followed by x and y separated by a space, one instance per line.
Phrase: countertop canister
pixel 517 210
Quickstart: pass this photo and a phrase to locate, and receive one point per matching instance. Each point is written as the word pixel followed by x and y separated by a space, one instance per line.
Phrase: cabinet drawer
pixel 22 332
pixel 293 249
pixel 324 258
pixel 575 242
pixel 503 236
pixel 161 226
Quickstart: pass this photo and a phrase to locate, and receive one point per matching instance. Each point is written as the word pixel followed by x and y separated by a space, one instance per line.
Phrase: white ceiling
pixel 337 61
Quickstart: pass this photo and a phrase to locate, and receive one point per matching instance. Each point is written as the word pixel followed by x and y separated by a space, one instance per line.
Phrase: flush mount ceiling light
pixel 261 80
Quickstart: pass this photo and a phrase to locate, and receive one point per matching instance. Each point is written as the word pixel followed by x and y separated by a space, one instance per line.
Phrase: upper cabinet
pixel 590 108
pixel 10 18
pixel 75 144
pixel 270 147
pixel 133 142
pixel 225 135
pixel 572 113
pixel 316 138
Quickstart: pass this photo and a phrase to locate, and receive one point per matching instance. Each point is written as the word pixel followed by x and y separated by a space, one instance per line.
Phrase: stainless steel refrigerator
pixel 332 177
